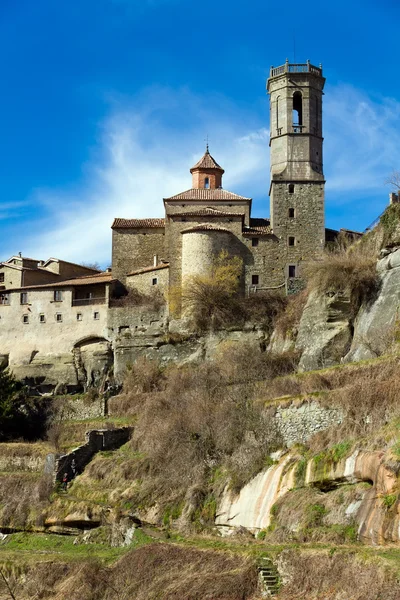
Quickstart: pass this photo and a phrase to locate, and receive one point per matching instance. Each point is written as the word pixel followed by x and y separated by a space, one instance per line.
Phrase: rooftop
pixel 102 277
pixel 207 194
pixel 207 212
pixel 205 227
pixel 207 162
pixel 149 269
pixel 138 223
pixel 258 227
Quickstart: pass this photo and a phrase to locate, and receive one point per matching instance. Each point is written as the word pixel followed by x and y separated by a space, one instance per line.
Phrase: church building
pixel 200 222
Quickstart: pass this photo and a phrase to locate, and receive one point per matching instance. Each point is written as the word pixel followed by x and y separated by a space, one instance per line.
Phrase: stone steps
pixel 269 576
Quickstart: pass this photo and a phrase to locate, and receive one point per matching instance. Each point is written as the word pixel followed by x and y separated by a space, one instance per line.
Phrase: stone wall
pixel 144 282
pixel 78 409
pixel 74 462
pixel 134 249
pixel 297 423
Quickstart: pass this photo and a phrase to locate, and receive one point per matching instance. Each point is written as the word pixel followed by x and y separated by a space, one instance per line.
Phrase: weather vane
pixel 206 140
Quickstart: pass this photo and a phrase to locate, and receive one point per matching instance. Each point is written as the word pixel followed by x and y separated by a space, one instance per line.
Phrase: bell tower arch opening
pixel 297 113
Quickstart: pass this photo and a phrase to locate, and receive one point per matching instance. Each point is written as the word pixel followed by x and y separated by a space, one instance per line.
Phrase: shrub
pixel 347 271
pixel 264 308
pixel 153 301
pixel 390 220
pixel 287 321
pixel 20 416
pixel 211 300
pixel 195 425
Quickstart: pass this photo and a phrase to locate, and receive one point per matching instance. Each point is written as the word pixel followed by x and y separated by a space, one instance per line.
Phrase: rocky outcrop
pixel 375 325
pixel 325 330
pixel 377 513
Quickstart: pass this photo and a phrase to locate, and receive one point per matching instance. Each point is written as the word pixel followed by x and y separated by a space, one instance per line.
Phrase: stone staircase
pixel 269 576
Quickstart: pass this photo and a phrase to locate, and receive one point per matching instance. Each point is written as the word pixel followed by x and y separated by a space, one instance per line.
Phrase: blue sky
pixel 105 105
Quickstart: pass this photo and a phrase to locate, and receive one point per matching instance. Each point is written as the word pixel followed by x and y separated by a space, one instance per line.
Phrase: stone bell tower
pixel 297 179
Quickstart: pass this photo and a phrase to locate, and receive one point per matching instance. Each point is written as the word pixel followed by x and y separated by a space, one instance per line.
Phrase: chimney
pixel 393 198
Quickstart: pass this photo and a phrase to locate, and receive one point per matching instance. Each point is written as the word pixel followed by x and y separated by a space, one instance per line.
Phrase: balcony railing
pixel 88 301
pixel 295 68
pixel 298 128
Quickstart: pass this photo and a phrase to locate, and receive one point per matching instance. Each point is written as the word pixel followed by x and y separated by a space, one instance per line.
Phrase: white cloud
pixel 139 161
pixel 148 144
pixel 362 140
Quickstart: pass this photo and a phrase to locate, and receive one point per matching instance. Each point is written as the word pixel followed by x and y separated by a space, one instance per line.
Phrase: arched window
pixel 207 183
pixel 297 114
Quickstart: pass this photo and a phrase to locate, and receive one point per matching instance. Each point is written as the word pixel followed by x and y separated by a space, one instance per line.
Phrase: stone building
pixel 60 321
pixel 200 222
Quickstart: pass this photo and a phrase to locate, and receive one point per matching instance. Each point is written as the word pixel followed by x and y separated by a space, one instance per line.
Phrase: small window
pixel 42 319
pixel 96 316
pixel 207 183
pixel 254 241
pixel 57 296
pixel 291 188
pixel 254 279
pixel 24 298
pixel 154 281
pixel 59 318
pixel 1 277
pixel 291 213
pixel 292 271
pixel 291 240
pixel 79 316
pixel 25 319
pixel 5 299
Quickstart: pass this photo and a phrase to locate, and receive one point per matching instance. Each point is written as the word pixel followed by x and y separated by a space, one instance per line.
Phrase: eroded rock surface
pixel 325 331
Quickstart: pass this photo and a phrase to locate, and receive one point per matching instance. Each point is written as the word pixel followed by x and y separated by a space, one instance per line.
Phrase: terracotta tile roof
pixel 103 277
pixel 138 223
pixel 207 194
pixel 149 269
pixel 207 212
pixel 205 227
pixel 207 162
pixel 258 227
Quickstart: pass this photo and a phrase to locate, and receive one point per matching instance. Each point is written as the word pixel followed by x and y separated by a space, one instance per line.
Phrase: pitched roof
pixel 149 269
pixel 138 223
pixel 207 162
pixel 103 277
pixel 205 227
pixel 258 227
pixel 206 212
pixel 207 194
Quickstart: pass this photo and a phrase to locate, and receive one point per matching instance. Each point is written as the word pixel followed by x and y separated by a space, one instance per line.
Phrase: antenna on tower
pixel 294 46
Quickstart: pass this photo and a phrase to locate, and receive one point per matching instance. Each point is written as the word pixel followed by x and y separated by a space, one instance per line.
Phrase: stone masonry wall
pixel 74 462
pixel 144 282
pixel 135 249
pixel 307 225
pixel 297 423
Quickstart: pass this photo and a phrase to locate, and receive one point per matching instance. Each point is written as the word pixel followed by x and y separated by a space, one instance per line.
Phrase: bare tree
pixel 394 180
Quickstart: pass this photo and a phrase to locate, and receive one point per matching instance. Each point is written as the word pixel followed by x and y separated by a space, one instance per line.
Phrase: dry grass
pixel 330 576
pixel 152 571
pixel 23 497
pixel 154 301
pixel 345 270
pixel 288 320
